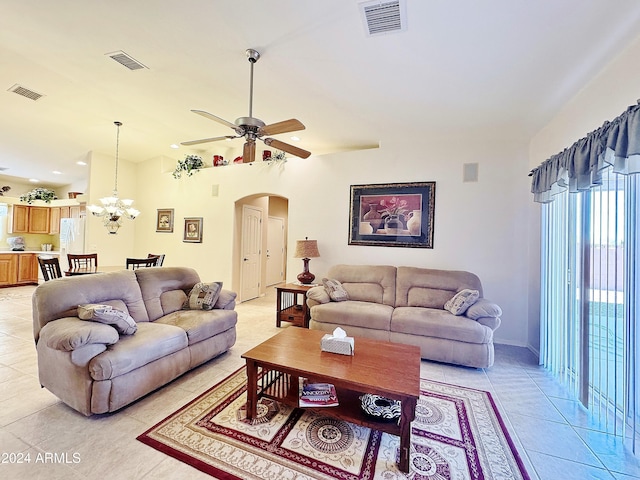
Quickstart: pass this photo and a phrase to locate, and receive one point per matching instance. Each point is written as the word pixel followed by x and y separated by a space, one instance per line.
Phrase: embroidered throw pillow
pixel 118 319
pixel 461 301
pixel 335 290
pixel 203 296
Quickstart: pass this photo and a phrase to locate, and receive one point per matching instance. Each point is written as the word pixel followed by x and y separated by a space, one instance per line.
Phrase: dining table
pixel 87 270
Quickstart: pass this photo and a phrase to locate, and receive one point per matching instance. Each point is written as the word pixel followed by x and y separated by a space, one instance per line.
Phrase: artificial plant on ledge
pixel 39 194
pixel 190 165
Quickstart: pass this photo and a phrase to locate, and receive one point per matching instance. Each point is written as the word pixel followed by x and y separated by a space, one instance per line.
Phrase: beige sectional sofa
pixel 93 368
pixel 406 305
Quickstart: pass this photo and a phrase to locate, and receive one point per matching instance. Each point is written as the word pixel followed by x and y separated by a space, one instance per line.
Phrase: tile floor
pixel 553 434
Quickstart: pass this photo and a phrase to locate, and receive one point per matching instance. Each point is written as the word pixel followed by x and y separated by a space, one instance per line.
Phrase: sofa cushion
pixel 318 294
pixel 433 322
pixel 203 296
pixel 461 301
pixel 151 342
pixel 425 287
pixel 201 325
pixel 352 312
pixel 69 334
pixel 367 283
pixel 101 313
pixel 335 290
pixel 165 289
pixel 226 300
pixel 483 308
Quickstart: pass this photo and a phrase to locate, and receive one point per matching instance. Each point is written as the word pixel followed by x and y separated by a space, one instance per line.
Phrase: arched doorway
pixel 260 253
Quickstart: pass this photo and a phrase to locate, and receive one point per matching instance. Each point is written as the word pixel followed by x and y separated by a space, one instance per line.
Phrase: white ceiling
pixel 461 65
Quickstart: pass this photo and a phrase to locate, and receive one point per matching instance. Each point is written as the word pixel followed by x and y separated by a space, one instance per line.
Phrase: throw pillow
pixel 118 319
pixel 335 290
pixel 203 296
pixel 461 301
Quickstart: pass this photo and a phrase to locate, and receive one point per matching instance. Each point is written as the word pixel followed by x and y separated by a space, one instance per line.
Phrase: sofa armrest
pixel 71 333
pixel 483 308
pixel 226 300
pixel 316 296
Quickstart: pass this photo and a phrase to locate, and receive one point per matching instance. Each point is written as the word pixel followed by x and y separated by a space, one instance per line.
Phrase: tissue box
pixel 343 346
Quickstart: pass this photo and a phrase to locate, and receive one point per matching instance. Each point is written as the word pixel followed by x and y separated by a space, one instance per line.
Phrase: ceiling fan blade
pixel 285 147
pixel 206 140
pixel 249 152
pixel 291 125
pixel 215 119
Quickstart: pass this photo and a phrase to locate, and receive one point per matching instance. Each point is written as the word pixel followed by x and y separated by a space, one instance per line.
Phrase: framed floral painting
pixel 392 214
pixel 192 230
pixel 164 220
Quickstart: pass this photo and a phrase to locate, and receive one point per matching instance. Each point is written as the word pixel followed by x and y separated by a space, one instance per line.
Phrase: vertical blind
pixel 590 273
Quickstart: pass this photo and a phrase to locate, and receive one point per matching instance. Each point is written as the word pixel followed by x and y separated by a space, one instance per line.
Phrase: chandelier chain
pixel 117 124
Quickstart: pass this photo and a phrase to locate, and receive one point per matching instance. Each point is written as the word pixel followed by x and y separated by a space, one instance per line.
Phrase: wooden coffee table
pixel 388 369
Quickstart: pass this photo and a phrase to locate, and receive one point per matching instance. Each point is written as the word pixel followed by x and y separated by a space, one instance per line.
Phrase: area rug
pixel 458 434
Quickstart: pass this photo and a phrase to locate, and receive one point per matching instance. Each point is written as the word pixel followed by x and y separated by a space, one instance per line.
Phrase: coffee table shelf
pixel 286 390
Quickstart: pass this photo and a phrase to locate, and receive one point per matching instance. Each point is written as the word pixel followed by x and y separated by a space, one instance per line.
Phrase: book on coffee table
pixel 318 395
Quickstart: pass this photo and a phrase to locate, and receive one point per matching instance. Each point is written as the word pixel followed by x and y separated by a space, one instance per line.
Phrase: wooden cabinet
pixel 20 219
pixel 39 219
pixel 27 270
pixel 8 269
pixel 54 220
pixel 64 212
pixel 18 269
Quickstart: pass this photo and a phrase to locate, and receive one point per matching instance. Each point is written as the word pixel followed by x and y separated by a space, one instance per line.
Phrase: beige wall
pixel 480 227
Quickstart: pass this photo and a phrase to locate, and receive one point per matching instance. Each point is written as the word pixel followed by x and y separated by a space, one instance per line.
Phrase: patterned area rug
pixel 457 434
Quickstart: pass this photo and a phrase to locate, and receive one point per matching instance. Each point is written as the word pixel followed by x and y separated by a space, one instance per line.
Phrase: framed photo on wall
pixel 392 214
pixel 164 220
pixel 192 230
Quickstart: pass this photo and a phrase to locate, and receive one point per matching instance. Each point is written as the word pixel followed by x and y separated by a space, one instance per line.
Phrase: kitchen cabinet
pixel 27 271
pixel 18 269
pixel 54 220
pixel 39 219
pixel 8 269
pixel 64 212
pixel 20 219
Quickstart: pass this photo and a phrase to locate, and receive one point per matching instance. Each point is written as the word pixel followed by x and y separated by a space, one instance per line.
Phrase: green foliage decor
pixel 190 165
pixel 39 194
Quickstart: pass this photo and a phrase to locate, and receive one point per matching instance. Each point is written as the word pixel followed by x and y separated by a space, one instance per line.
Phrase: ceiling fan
pixel 253 129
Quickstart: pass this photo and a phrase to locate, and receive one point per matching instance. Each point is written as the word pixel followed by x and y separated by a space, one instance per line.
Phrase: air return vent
pixel 126 60
pixel 384 16
pixel 25 92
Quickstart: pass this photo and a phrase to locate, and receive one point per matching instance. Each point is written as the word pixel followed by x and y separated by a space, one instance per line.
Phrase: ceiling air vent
pixel 25 92
pixel 384 16
pixel 126 60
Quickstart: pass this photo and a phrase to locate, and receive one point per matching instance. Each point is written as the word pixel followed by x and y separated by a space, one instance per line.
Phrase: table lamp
pixel 306 249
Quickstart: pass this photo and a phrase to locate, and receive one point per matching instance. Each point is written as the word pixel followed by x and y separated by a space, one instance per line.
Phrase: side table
pixel 291 304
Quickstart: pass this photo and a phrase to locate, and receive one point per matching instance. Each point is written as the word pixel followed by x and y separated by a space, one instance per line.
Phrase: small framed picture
pixel 192 230
pixel 164 220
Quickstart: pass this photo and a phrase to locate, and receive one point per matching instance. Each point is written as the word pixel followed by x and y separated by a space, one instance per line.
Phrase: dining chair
pixel 87 260
pixel 50 268
pixel 136 263
pixel 160 260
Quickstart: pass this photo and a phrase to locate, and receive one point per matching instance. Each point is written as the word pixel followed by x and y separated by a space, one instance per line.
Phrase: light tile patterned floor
pixel 552 432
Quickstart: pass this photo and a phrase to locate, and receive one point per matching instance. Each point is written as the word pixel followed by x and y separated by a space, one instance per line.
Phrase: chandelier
pixel 113 208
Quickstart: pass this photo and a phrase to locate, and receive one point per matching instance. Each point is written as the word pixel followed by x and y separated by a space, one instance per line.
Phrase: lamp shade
pixel 306 249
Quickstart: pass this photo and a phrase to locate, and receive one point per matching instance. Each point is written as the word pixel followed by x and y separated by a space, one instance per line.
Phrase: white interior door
pixel 275 250
pixel 251 252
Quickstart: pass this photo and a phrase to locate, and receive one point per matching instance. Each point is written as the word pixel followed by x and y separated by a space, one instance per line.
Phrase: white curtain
pixel 590 271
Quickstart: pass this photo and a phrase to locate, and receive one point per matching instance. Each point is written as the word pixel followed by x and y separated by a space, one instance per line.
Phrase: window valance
pixel 579 167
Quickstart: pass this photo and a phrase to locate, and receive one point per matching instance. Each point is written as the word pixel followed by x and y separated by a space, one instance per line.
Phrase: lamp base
pixel 306 277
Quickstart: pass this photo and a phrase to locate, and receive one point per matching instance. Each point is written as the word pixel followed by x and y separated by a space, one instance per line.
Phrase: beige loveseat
pixel 92 368
pixel 406 305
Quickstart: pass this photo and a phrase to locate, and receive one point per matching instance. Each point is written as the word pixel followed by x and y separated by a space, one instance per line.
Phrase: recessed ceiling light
pixel 56 172
pixel 173 145
pixel 295 139
pixel 34 180
pixel 80 162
